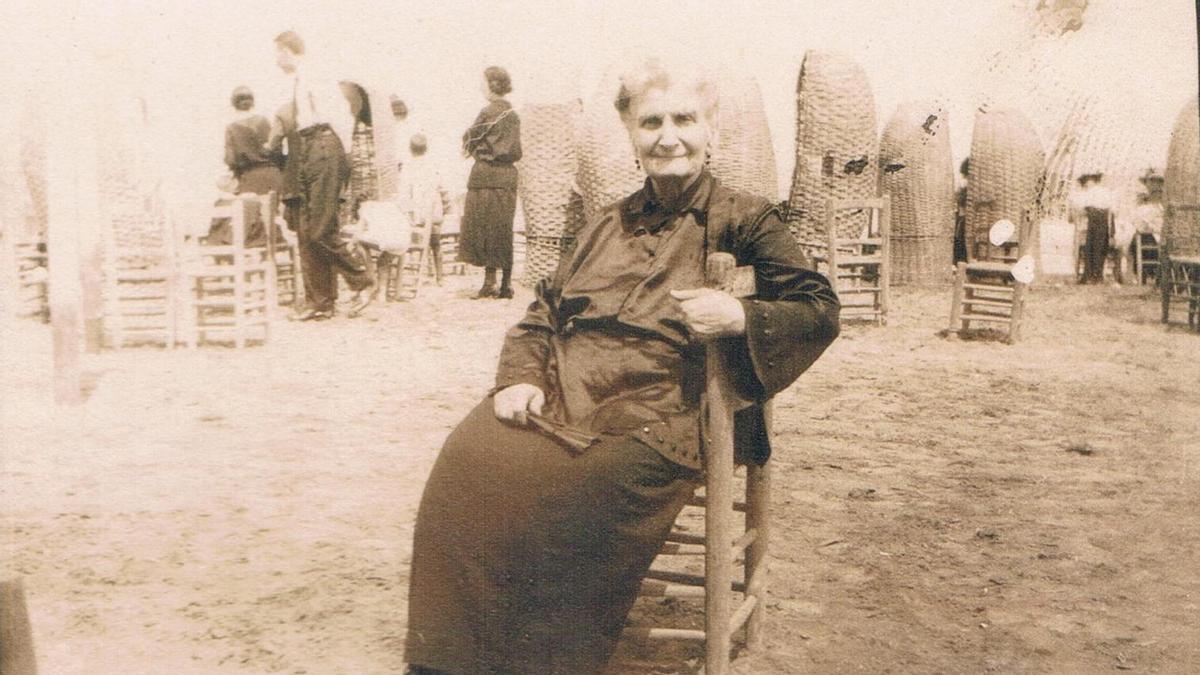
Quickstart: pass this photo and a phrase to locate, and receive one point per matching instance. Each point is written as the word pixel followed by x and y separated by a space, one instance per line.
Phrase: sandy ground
pixel 942 505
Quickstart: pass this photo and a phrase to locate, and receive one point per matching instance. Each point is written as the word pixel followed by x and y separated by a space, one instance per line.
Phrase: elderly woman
pixel 494 141
pixel 550 500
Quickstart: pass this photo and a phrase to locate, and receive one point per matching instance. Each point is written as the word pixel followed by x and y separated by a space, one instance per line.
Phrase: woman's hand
pixel 710 313
pixel 511 403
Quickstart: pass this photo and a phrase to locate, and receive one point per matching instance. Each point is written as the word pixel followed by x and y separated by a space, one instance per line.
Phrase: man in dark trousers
pixel 318 126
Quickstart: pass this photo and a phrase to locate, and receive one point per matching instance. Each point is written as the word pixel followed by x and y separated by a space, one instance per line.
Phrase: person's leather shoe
pixel 311 314
pixel 504 293
pixel 485 292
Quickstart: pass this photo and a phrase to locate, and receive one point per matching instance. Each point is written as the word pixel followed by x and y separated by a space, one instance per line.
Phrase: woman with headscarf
pixel 494 141
pixel 548 503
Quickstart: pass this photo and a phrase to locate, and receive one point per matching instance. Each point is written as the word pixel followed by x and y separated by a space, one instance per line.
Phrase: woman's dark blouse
pixel 245 144
pixel 609 346
pixel 494 140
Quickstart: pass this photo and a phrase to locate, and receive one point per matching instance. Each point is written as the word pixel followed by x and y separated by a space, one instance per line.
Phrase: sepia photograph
pixel 622 337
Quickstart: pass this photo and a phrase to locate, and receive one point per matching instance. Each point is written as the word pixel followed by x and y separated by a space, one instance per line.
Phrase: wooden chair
pixel 1179 276
pixel 282 253
pixel 985 291
pixel 724 615
pixel 449 240
pixel 404 272
pixel 30 262
pixel 1145 257
pixel 858 267
pixel 231 289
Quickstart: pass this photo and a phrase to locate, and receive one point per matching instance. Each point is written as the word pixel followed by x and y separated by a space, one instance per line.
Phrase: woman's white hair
pixel 658 73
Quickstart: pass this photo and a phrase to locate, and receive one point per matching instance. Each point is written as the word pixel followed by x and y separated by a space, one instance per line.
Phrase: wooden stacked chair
pixel 406 270
pixel 985 290
pixel 31 265
pixel 722 549
pixel 231 289
pixel 451 231
pixel 1145 257
pixel 141 300
pixel 1179 275
pixel 859 266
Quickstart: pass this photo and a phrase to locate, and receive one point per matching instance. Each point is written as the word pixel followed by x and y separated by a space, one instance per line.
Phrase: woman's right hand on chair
pixel 512 403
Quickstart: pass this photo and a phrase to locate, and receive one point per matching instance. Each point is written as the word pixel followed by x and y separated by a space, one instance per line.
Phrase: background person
pixel 494 141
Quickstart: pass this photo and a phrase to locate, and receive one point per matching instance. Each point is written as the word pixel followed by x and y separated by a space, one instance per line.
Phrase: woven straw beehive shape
pixel 607 170
pixel 917 171
pixel 547 167
pixel 1007 165
pixel 1181 228
pixel 135 232
pixel 744 158
pixel 836 151
pixel 383 136
pixel 542 252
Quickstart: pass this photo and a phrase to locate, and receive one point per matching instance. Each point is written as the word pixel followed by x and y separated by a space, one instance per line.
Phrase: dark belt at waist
pixel 314 130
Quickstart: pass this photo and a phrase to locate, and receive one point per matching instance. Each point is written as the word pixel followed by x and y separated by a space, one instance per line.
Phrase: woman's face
pixel 486 88
pixel 670 133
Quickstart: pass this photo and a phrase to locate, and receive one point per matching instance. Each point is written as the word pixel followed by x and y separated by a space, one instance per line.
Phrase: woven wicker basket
pixel 541 256
pixel 383 135
pixel 1007 165
pixel 917 171
pixel 836 151
pixel 744 158
pixel 547 167
pixel 607 170
pixel 1181 228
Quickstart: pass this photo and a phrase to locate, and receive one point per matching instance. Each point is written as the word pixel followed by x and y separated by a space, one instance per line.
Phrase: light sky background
pixel 186 57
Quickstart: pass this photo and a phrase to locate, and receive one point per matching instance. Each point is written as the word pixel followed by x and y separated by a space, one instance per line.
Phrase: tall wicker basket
pixel 917 171
pixel 1007 165
pixel 744 158
pixel 607 170
pixel 836 150
pixel 1181 227
pixel 547 183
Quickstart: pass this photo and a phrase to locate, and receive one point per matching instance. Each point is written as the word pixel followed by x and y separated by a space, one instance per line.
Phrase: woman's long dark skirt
pixel 527 559
pixel 487 227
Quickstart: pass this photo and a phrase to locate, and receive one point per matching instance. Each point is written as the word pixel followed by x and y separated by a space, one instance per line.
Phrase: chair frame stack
pixel 1179 276
pixel 859 267
pixel 985 291
pixel 232 290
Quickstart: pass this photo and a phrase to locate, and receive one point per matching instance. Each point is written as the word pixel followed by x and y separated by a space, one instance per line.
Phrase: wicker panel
pixel 918 173
pixel 364 173
pixel 1181 228
pixel 1005 179
pixel 547 167
pixel 744 158
pixel 836 151
pixel 384 130
pixel 607 170
pixel 542 255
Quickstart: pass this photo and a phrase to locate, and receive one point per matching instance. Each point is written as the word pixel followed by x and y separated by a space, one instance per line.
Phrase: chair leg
pixel 758 510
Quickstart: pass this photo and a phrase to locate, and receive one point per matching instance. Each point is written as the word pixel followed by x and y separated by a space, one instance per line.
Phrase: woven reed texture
pixel 136 231
pixel 607 170
pixel 1181 229
pixel 547 167
pixel 1005 178
pixel 836 145
pixel 383 136
pixel 364 174
pixel 744 158
pixel 542 256
pixel 917 171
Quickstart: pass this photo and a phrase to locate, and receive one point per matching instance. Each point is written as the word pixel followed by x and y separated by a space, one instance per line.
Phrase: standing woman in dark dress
pixel 246 152
pixel 494 140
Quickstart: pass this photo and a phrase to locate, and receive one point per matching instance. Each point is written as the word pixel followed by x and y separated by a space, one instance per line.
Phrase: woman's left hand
pixel 710 313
